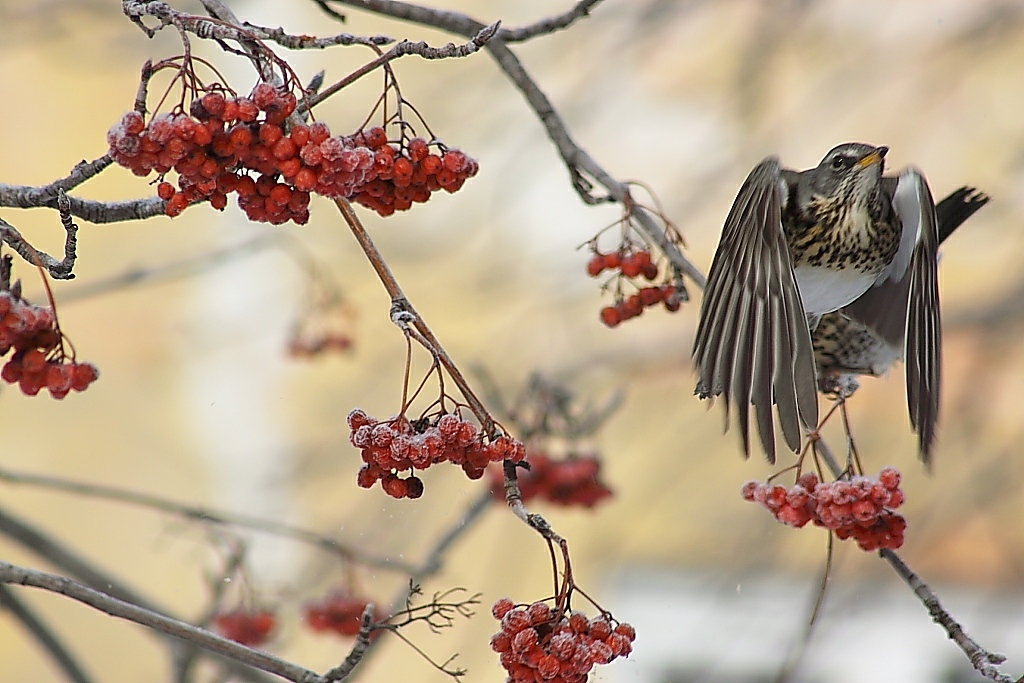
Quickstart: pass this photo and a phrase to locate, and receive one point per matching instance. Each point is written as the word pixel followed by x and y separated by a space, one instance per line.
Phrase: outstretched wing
pixel 904 303
pixel 753 344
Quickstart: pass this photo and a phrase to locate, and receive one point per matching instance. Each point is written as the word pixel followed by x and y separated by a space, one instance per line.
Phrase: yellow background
pixel 198 402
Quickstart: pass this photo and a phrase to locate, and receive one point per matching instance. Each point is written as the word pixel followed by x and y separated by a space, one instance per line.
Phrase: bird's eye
pixel 839 162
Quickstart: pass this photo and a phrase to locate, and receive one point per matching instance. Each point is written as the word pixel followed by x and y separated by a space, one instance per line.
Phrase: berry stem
pixel 404 315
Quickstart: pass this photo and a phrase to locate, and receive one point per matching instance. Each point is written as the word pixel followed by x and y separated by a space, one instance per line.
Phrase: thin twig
pixel 981 659
pixel 26 197
pixel 402 49
pixel 211 642
pixel 404 316
pixel 59 270
pixel 550 25
pixel 223 28
pixel 72 670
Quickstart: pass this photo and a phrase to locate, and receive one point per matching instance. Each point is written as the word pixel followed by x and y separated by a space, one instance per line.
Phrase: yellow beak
pixel 872 157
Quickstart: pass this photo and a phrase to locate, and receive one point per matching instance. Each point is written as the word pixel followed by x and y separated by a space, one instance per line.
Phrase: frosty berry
pixel 537 643
pixel 246 146
pixel 859 507
pixel 392 446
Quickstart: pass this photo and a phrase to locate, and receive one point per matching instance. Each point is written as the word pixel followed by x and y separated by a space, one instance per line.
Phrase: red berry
pixel 83 374
pixel 264 95
pixel 610 316
pixel 165 191
pixel 501 607
pixel 213 103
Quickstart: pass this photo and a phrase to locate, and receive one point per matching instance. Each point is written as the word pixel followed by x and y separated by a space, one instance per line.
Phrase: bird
pixel 797 245
pixel 845 347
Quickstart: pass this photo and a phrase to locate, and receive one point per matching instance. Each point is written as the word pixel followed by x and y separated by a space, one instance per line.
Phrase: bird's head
pixel 852 168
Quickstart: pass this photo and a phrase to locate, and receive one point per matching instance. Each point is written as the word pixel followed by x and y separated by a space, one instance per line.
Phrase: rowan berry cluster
pixel 860 507
pixel 245 145
pixel 243 626
pixel 405 176
pixel 536 643
pixel 574 481
pixel 339 613
pixel 634 305
pixel 394 445
pixel 632 264
pixel 31 331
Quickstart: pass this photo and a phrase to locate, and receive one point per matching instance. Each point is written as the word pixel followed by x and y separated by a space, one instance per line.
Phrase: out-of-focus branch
pixel 67 560
pixel 202 638
pixel 206 515
pixel 43 635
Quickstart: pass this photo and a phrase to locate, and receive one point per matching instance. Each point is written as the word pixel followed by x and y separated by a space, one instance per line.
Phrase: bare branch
pixel 46 638
pixel 59 270
pixel 225 27
pixel 550 25
pixel 981 659
pixel 27 197
pixel 118 608
pixel 71 563
pixel 406 47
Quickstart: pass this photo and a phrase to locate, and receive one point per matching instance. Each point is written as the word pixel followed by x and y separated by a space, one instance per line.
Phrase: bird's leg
pixel 815 435
pixel 852 456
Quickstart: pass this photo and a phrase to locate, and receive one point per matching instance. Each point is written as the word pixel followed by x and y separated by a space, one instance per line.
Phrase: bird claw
pixel 838 386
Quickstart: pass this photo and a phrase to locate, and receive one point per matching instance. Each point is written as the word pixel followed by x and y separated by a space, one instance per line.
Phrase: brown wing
pixel 753 344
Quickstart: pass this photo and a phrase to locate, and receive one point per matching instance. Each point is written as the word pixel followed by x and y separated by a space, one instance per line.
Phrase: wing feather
pixel 752 343
pixel 923 351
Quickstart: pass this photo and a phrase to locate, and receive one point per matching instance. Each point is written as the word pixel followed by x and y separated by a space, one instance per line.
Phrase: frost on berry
pixel 540 644
pixel 389 447
pixel 860 508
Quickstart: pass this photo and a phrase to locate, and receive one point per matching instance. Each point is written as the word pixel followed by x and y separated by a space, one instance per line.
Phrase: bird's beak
pixel 872 157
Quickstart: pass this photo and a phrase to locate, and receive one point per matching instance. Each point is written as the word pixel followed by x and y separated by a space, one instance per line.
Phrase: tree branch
pixel 981 659
pixel 211 642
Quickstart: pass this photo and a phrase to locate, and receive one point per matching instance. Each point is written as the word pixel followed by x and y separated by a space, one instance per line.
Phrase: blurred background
pixel 199 401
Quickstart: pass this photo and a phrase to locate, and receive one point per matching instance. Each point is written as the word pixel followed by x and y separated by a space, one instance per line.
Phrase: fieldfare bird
pixel 800 244
pixel 845 347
